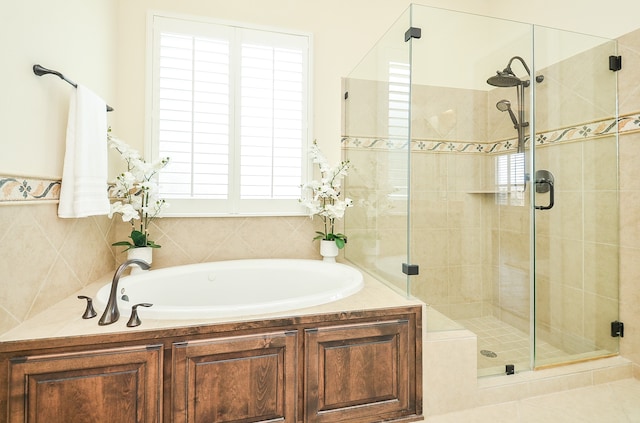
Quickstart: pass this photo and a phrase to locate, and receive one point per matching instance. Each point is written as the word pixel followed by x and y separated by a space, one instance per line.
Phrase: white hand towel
pixel 84 176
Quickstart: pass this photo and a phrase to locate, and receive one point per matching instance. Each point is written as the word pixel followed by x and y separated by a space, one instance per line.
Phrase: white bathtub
pixel 233 288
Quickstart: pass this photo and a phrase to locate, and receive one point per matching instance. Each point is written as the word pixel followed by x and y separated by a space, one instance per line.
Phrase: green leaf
pixel 152 244
pixel 139 239
pixel 340 243
pixel 321 235
pixel 122 243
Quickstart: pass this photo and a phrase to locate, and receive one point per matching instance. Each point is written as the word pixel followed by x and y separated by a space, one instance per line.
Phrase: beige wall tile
pixel 628 78
pixel 46 258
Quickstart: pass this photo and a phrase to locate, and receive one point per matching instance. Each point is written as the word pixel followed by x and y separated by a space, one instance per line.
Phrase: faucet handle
pixel 89 311
pixel 134 320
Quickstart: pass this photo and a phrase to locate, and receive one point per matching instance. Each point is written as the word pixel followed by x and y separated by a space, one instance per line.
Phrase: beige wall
pixel 101 44
pixel 74 37
pixel 43 258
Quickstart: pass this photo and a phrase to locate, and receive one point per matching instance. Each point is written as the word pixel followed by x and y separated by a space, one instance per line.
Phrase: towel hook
pixel 40 70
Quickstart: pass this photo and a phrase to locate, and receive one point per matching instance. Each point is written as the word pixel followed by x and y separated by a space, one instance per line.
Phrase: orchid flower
pixel 323 196
pixel 136 192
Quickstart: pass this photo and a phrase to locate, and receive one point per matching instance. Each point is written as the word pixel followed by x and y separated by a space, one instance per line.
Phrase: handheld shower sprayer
pixel 505 106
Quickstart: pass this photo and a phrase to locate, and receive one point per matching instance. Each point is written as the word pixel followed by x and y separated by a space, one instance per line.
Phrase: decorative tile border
pixel 597 129
pixel 23 189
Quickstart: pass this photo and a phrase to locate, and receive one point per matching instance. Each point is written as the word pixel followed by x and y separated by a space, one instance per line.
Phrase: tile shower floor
pixel 614 402
pixel 500 344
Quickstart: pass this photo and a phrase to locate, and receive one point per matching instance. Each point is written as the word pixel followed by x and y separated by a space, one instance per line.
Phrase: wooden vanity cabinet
pixel 113 385
pixel 235 379
pixel 351 367
pixel 359 372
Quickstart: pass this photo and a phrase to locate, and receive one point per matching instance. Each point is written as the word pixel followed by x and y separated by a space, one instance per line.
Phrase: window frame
pixel 202 207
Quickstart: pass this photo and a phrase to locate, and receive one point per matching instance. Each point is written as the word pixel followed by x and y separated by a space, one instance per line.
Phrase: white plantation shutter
pixel 510 177
pixel 399 117
pixel 230 110
pixel 194 116
pixel 272 107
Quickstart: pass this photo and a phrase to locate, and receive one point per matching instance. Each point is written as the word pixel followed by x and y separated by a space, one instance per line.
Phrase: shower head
pixel 505 106
pixel 507 78
pixel 504 78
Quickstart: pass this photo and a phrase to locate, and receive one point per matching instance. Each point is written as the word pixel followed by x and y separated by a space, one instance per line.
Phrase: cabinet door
pixel 359 373
pixel 237 379
pixel 121 385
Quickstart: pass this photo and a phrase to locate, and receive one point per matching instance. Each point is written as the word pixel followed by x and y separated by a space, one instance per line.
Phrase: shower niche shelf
pixel 483 191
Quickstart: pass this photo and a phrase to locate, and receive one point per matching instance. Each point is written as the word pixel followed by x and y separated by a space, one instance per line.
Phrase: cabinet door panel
pixel 359 372
pixel 116 385
pixel 237 379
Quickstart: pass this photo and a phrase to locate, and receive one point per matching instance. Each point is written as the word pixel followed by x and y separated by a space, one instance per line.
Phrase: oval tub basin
pixel 233 288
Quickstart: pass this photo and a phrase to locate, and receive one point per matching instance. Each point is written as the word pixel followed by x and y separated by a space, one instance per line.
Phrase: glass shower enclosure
pixel 486 182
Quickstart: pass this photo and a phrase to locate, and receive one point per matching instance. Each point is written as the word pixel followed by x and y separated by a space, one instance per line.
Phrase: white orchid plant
pixel 324 196
pixel 136 194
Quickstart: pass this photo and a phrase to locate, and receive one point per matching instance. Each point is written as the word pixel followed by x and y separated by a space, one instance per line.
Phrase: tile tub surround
pixel 64 318
pixel 374 321
pixel 44 258
pixel 203 239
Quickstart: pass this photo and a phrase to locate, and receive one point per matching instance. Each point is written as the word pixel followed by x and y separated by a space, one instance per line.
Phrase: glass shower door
pixel 470 224
pixel 575 185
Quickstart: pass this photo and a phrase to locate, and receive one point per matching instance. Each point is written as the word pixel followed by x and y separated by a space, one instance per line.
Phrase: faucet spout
pixel 111 313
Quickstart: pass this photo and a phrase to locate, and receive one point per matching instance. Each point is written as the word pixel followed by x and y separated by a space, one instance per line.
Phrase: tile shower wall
pixel 447 225
pixel 577 242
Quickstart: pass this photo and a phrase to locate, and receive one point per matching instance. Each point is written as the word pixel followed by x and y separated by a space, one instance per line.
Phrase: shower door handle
pixel 544 182
pixel 550 188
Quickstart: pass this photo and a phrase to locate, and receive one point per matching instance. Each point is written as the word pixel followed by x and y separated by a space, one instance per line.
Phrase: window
pixel 510 179
pixel 399 116
pixel 230 107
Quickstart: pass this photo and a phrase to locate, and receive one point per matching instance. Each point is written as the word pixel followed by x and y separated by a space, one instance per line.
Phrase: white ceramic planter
pixel 141 253
pixel 328 250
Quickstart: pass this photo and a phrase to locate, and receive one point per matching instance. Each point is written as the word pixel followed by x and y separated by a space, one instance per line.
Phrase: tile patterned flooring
pixel 614 402
pixel 508 345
